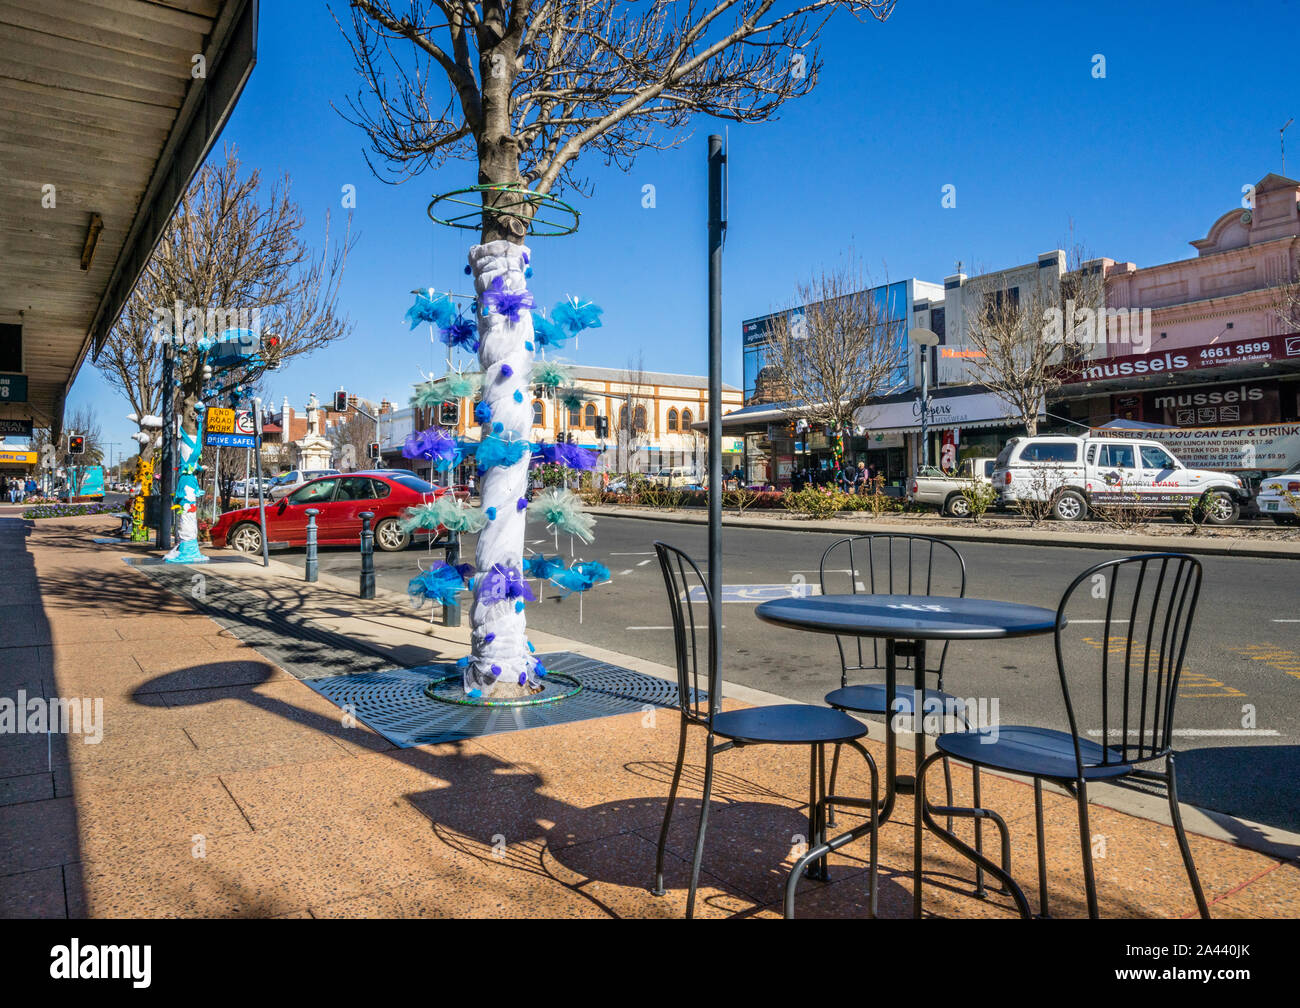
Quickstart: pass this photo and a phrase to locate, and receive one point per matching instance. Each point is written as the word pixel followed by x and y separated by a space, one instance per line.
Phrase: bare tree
pixel 524 87
pixel 1286 298
pixel 351 437
pixel 1029 337
pixel 231 257
pixel 836 350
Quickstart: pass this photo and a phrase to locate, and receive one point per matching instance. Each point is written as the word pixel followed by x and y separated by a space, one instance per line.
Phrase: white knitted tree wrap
pixel 500 662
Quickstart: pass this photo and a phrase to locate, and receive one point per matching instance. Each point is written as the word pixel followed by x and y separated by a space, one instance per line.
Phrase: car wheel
pixel 247 538
pixel 390 536
pixel 957 506
pixel 1069 506
pixel 1217 508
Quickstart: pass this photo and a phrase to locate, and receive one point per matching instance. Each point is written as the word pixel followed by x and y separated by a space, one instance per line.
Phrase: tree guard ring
pixel 551 217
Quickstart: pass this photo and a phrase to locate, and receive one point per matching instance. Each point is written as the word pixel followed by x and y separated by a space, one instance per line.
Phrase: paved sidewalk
pixel 1207 542
pixel 225 787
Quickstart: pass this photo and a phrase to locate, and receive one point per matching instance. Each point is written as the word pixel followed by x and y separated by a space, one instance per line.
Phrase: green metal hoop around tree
pixel 549 217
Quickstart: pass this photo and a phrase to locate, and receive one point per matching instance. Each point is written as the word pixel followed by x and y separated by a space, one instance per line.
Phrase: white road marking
pixel 1204 732
pixel 642 553
pixel 644 562
pixel 625 573
pixel 1286 621
pixel 1075 622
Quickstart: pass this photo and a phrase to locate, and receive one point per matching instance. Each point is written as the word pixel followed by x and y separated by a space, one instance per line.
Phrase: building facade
pixel 1220 365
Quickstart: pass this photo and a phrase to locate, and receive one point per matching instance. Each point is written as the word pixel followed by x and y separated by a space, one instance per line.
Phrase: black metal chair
pixel 781 724
pixel 1132 681
pixel 902 564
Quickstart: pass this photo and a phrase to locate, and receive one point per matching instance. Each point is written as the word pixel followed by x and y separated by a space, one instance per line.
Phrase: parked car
pixel 1273 493
pixel 673 476
pixel 1076 473
pixel 340 500
pixel 287 483
pixel 237 488
pixel 944 490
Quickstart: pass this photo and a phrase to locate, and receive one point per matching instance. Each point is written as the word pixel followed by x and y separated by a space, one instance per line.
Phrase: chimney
pixel 385 406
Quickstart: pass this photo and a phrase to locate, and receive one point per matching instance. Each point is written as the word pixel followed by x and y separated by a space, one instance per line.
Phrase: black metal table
pixel 912 620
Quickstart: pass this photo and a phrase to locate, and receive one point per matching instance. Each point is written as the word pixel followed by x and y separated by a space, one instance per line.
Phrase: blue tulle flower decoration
pixel 574 316
pixel 546 332
pixel 437 310
pixel 482 412
pixel 460 332
pixel 506 302
pixel 581 576
pixel 495 451
pixel 571 456
pixel 441 583
pixel 539 566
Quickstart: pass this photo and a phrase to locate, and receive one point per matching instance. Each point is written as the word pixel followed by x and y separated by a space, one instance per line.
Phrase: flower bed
pixel 69 510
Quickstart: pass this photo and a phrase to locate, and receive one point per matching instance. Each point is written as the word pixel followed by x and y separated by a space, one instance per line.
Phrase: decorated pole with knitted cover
pixel 188 492
pixel 501 663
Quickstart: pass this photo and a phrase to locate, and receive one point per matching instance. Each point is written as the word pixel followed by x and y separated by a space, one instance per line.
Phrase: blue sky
pixel 996 100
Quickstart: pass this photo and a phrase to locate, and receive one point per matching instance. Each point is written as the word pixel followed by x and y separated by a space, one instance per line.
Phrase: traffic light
pixel 602 427
pixel 448 414
pixel 374 450
pixel 271 352
pixel 340 401
pixel 76 444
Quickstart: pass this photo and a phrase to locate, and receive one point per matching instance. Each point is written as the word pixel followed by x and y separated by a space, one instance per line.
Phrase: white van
pixel 1074 473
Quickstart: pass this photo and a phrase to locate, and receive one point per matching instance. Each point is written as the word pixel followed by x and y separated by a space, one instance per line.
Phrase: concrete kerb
pixel 954 531
pixel 402 628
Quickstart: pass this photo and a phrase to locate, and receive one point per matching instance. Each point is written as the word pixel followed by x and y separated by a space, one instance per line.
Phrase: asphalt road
pixel 1243 661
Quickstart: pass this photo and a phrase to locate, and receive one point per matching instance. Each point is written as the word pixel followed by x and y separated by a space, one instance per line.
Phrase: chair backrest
pixel 693 635
pixel 884 564
pixel 1124 654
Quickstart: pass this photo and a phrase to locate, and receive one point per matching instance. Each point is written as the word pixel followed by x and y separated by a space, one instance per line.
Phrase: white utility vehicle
pixel 1073 474
pixel 1278 496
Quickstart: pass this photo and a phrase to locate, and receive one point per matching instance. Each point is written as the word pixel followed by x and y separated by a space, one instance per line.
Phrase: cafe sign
pixel 1269 447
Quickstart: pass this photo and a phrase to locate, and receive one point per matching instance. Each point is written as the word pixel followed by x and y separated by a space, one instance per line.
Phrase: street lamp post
pixel 924 338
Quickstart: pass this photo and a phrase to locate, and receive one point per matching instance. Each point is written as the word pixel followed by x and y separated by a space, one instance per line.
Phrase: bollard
pixel 451 613
pixel 313 566
pixel 367 556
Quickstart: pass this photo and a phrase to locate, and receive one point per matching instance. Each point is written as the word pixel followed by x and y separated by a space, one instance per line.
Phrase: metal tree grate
pixel 393 702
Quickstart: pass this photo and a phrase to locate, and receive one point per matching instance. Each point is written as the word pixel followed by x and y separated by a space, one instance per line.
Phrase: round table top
pixel 909 617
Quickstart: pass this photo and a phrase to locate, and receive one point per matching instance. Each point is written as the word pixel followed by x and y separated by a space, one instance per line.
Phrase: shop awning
pixel 969 410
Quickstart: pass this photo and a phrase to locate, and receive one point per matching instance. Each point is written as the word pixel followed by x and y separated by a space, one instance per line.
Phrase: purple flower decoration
pixel 461 332
pixel 507 303
pixel 506 371
pixel 502 582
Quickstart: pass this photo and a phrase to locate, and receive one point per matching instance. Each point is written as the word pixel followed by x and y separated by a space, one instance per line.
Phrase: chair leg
pixel 835 769
pixel 659 890
pixel 1183 846
pixel 1043 910
pixel 699 834
pixel 817 869
pixel 1085 842
pixel 980 891
pixel 947 783
pixel 1003 872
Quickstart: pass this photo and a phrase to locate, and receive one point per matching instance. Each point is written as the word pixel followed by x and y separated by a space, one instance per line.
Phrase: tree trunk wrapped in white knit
pixel 501 663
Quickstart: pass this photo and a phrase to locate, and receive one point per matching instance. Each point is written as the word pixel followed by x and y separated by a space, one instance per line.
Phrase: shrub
pixel 979 498
pixel 69 510
pixel 814 502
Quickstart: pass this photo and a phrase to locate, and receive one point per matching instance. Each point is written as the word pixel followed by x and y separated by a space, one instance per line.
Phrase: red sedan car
pixel 340 500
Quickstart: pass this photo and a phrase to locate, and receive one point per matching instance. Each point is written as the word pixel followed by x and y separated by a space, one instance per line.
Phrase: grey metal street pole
pixel 924 339
pixel 717 158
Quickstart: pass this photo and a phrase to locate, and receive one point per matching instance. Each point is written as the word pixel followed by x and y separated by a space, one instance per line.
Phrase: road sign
pixel 244 422
pixel 229 440
pixel 13 388
pixel 220 421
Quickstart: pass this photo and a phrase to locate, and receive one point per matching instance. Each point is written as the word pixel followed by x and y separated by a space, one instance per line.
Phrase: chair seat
pixel 869 698
pixel 1035 752
pixel 788 724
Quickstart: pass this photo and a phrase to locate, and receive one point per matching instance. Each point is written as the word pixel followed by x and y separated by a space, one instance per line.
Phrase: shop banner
pixel 1244 351
pixel 1270 447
